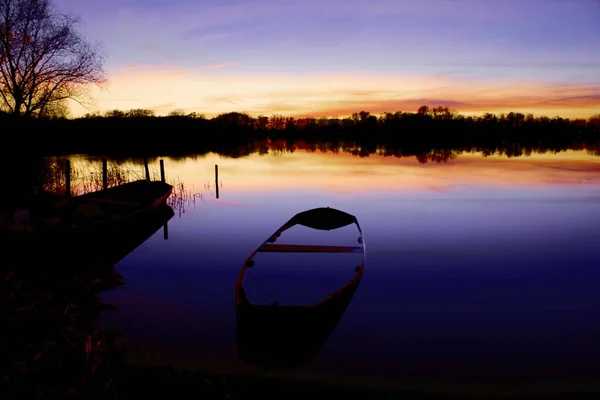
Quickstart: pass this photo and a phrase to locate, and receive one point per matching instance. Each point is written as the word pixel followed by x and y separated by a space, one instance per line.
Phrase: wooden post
pixel 166 230
pixel 68 178
pixel 217 180
pixel 162 171
pixel 104 175
pixel 147 169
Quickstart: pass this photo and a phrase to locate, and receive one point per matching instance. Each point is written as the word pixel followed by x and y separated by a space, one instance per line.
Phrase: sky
pixel 336 57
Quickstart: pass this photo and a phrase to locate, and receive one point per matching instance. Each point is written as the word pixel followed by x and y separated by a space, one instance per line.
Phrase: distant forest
pixel 429 131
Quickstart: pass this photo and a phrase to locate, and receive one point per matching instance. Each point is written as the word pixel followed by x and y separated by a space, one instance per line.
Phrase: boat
pixel 92 210
pixel 275 336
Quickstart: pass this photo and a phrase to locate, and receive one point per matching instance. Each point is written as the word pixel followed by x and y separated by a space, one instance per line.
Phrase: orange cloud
pixel 202 91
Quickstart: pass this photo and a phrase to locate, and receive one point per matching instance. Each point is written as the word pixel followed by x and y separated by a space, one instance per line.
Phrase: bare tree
pixel 44 60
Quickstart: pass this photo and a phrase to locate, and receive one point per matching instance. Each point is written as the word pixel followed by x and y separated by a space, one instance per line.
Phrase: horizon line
pixel 454 112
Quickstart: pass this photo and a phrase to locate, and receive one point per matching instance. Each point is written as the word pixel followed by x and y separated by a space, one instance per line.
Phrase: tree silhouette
pixel 115 114
pixel 177 113
pixel 423 110
pixel 140 113
pixel 44 61
pixel 434 134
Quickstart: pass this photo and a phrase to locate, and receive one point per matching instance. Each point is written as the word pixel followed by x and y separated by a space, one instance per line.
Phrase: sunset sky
pixel 335 57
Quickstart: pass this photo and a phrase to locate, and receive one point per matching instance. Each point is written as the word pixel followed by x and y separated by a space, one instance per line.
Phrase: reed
pixel 183 197
pixel 87 177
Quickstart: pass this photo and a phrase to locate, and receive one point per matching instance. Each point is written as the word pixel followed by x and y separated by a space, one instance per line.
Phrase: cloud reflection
pixel 345 173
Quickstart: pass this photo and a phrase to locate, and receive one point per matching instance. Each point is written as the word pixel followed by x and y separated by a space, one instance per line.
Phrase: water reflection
pixel 294 166
pixel 342 172
pixel 184 197
pixel 479 267
pixel 474 264
pixel 284 336
pixel 130 236
pixel 507 148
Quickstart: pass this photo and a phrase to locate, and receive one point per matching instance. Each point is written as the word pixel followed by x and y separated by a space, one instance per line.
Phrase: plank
pixel 301 248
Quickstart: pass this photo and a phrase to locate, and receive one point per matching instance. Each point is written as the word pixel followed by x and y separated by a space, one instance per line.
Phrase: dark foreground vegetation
pixel 428 131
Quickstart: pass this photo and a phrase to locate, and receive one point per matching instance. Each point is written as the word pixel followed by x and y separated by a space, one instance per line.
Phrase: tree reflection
pixel 125 134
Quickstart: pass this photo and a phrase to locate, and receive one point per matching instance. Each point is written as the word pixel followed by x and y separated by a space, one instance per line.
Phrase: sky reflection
pixel 345 173
pixel 495 274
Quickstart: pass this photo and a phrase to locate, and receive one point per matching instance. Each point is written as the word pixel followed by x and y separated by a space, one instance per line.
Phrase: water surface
pixel 481 267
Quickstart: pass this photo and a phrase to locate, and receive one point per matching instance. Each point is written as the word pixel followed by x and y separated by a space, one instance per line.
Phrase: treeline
pixel 141 132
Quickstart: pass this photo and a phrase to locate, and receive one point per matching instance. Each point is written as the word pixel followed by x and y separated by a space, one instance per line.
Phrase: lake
pixel 479 268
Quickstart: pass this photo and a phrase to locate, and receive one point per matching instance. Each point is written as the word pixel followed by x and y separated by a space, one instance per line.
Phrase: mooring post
pixel 104 174
pixel 162 171
pixel 68 178
pixel 166 231
pixel 217 180
pixel 147 169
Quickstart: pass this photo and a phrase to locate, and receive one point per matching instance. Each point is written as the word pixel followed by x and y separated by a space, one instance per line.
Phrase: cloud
pixel 164 108
pixel 217 66
pixel 365 93
pixel 198 89
pixel 593 98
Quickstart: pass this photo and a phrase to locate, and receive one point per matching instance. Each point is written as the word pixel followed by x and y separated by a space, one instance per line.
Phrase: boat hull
pixel 274 336
pixel 87 223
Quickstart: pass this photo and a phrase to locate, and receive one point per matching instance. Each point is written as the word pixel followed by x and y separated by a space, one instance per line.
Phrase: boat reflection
pixel 108 245
pixel 119 244
pixel 274 336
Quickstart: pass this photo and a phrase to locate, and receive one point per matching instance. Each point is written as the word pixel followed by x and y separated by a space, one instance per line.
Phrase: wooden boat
pixel 102 226
pixel 92 211
pixel 274 336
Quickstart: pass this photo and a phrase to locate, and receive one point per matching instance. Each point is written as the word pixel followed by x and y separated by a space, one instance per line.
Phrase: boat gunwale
pixel 241 292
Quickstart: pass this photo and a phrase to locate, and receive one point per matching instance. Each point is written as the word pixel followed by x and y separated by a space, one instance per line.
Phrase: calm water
pixel 479 267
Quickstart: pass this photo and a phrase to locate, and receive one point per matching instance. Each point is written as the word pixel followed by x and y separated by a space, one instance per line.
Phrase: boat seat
pixel 301 248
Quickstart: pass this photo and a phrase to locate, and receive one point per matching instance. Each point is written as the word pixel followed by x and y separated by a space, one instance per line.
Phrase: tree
pixel 44 60
pixel 423 110
pixel 139 113
pixel 115 114
pixel 261 122
pixel 177 113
